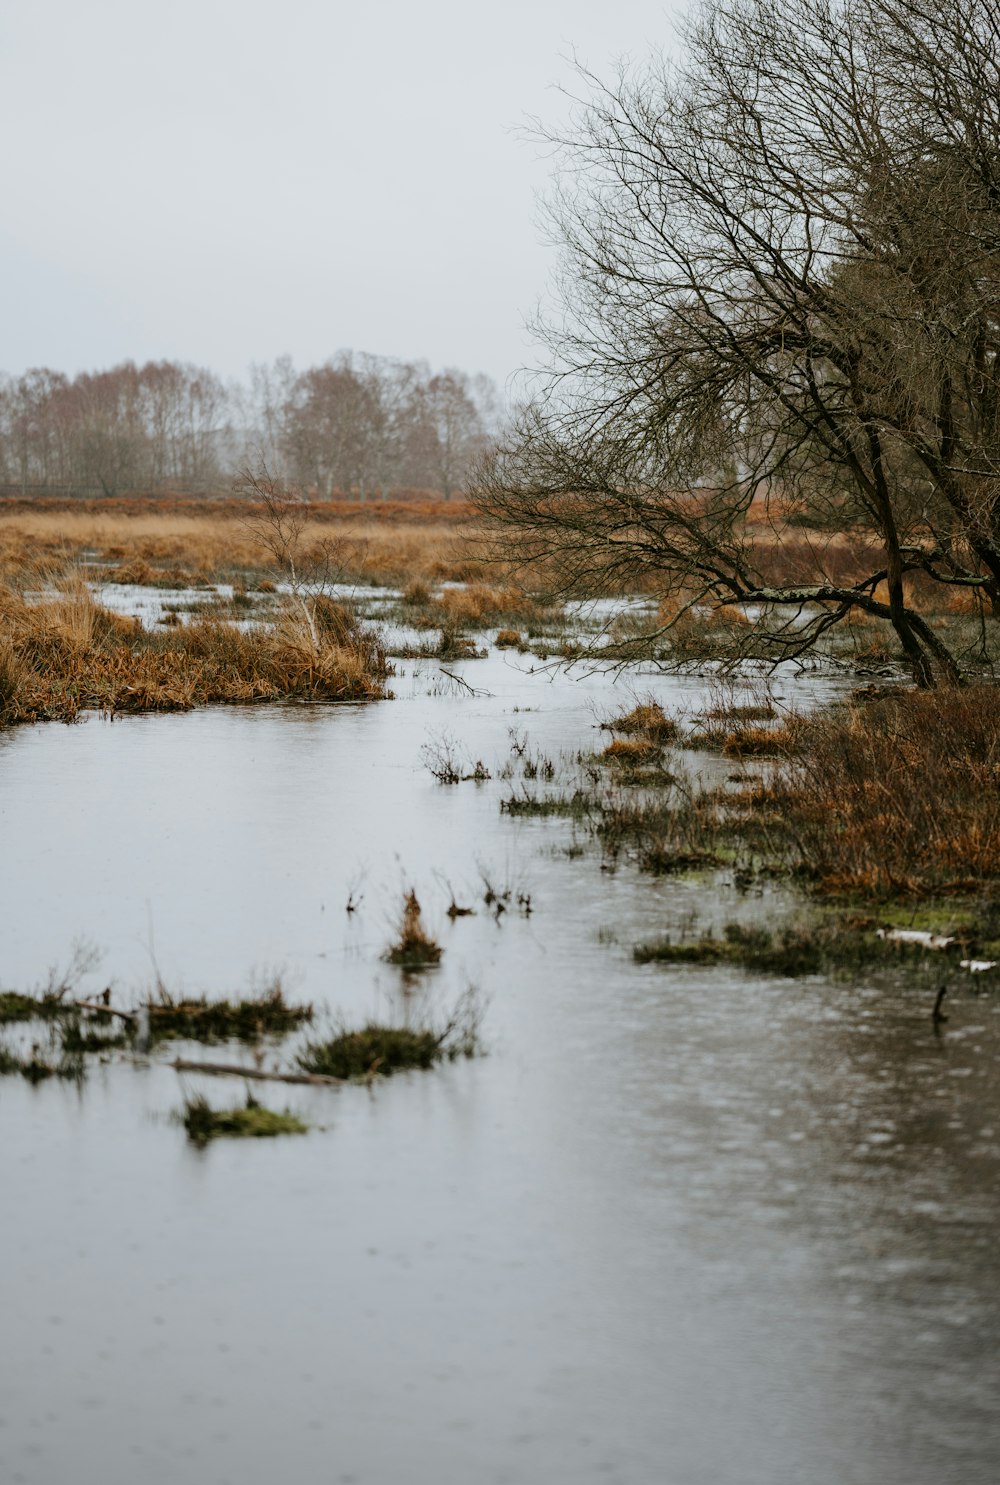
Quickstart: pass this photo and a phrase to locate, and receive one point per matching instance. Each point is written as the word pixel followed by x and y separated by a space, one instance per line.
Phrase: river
pixel 678 1226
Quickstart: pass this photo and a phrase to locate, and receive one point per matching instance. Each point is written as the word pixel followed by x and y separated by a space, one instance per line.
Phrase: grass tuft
pixel 248 1020
pixel 646 720
pixel 16 1006
pixel 631 752
pixel 372 1049
pixel 35 1067
pixel 251 1120
pixel 415 948
pixel 379 1050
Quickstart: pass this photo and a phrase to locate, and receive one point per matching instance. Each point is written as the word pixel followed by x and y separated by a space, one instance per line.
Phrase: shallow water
pixel 680 1225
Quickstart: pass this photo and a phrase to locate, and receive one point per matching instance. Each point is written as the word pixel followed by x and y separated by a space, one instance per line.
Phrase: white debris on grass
pixel 929 940
pixel 916 936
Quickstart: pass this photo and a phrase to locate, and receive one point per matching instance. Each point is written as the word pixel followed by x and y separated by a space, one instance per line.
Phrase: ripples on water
pixel 679 1226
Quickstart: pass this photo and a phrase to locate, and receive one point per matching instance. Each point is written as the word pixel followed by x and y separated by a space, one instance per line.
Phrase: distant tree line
pixel 358 425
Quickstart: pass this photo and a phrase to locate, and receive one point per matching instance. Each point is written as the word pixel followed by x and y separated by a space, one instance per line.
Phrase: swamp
pixel 621 1135
pixel 500 949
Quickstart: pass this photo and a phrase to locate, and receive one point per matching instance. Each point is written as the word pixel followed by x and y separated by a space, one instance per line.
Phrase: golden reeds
pixel 899 794
pixel 173 542
pixel 68 654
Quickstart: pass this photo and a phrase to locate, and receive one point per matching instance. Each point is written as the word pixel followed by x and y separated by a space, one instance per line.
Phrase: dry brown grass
pixel 415 948
pixel 762 742
pixel 900 794
pixel 630 752
pixel 159 541
pixel 478 605
pixel 646 720
pixel 69 655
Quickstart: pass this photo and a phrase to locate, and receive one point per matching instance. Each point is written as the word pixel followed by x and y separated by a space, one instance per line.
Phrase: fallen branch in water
pixel 108 1010
pixel 461 681
pixel 232 1069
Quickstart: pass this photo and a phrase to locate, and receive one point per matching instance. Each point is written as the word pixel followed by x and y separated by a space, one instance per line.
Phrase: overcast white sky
pixel 229 180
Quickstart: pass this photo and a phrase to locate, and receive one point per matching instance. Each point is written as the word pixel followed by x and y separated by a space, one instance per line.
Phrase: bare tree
pixel 780 297
pixel 458 433
pixel 278 519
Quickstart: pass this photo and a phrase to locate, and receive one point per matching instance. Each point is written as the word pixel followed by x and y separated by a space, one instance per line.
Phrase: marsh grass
pixel 380 1050
pixel 646 722
pixel 95 1035
pixel 638 760
pixel 37 1067
pixel 450 644
pixel 82 1030
pixel 371 1049
pixel 640 736
pixel 414 949
pixel 631 752
pixel 70 654
pixel 175 542
pixel 478 606
pixel 15 1006
pixel 758 711
pixel 834 947
pixel 12 678
pixel 897 796
pixel 748 741
pixel 249 1020
pixel 673 828
pixel 576 806
pixel 251 1120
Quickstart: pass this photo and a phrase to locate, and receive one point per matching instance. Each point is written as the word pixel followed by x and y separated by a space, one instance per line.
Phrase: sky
pixel 226 181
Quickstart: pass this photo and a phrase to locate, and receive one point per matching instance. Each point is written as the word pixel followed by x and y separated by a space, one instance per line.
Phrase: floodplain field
pixel 563 972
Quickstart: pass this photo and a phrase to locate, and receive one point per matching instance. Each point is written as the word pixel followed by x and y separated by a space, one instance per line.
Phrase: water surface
pixel 679 1226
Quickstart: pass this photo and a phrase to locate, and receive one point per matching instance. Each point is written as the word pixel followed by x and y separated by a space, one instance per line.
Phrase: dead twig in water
pixel 461 681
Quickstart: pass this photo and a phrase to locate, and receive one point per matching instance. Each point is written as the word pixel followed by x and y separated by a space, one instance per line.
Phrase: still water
pixel 680 1226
